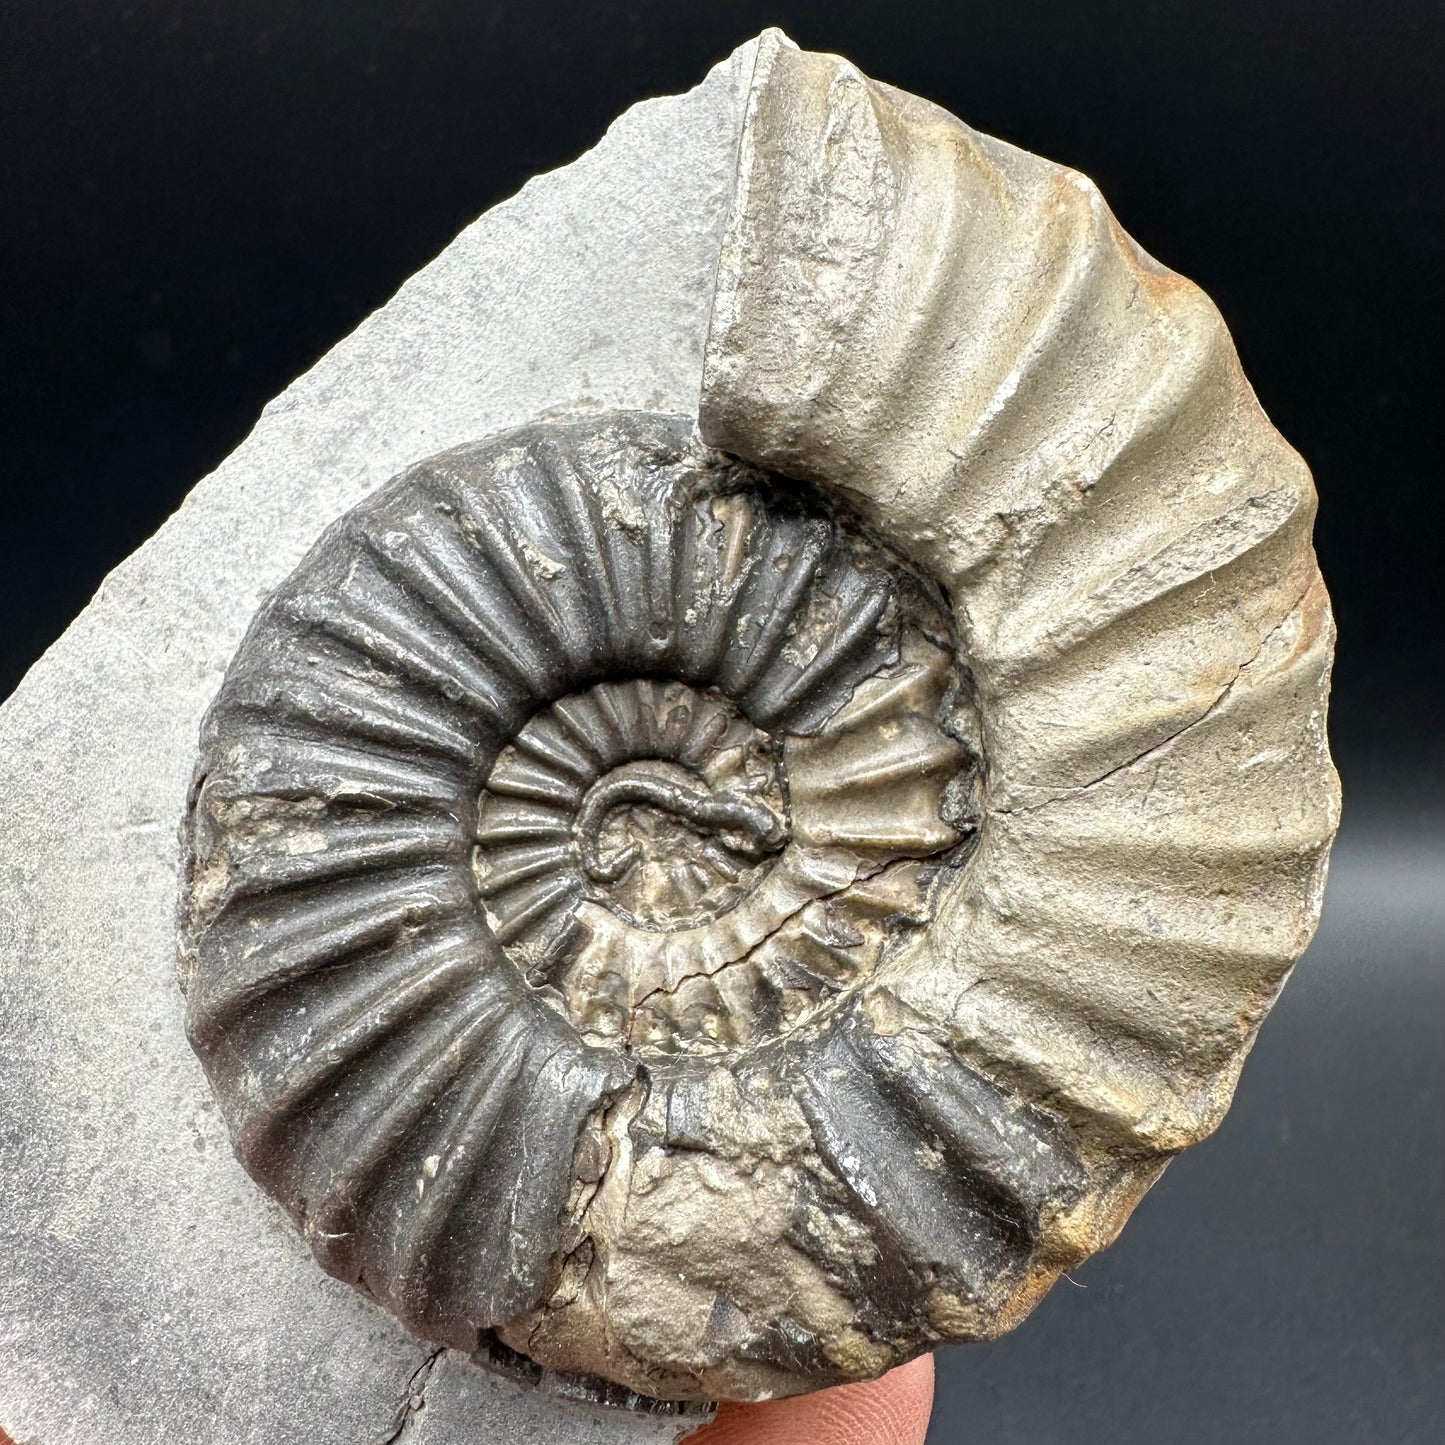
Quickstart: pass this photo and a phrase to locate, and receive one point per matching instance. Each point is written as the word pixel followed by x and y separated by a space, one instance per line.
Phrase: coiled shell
pixel 727 935
pixel 568 766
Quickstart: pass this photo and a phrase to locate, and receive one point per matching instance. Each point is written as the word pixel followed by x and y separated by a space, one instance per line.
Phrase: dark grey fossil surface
pixel 498 875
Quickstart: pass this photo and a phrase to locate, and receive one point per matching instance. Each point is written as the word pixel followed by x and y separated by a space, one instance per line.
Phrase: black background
pixel 197 199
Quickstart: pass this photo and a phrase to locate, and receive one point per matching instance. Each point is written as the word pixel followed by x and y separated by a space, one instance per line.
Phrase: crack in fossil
pixel 668 990
pixel 1220 699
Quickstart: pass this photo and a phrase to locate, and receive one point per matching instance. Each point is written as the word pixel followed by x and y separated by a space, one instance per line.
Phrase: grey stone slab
pixel 148 1290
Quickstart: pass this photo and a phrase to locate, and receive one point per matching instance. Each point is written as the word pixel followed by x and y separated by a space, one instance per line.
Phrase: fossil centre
pixel 742 765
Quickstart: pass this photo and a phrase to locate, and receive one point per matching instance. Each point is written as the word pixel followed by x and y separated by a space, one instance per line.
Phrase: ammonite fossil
pixel 723 904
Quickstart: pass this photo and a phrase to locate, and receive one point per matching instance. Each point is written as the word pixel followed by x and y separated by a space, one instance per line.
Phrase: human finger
pixel 893 1410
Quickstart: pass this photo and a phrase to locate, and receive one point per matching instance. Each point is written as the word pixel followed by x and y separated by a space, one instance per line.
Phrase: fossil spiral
pixel 723 904
pixel 573 759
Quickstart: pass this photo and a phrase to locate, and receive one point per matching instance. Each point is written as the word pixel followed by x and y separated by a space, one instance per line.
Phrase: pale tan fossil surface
pixel 957 341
